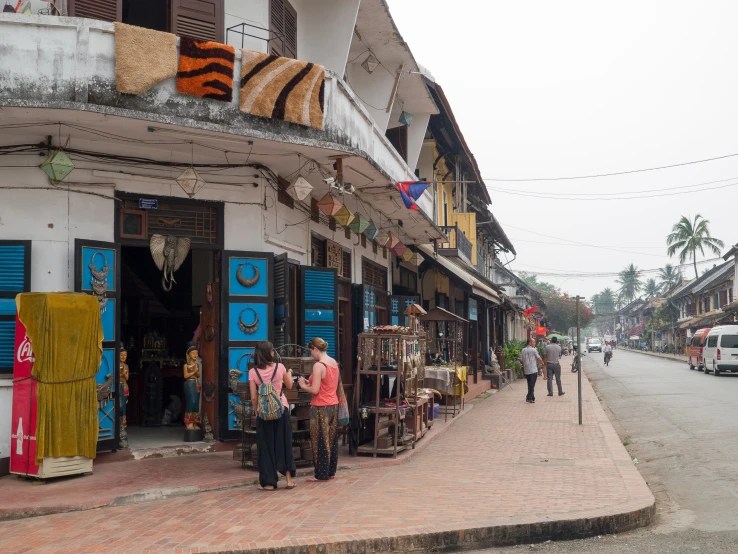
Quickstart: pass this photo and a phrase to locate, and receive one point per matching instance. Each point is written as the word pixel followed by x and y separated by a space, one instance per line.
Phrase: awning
pixel 689 323
pixel 459 273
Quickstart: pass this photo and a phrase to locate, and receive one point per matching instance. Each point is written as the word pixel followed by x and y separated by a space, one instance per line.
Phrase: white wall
pixel 373 90
pixel 415 137
pixel 324 31
pixel 253 12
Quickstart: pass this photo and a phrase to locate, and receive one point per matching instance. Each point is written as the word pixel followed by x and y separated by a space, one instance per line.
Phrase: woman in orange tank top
pixel 323 384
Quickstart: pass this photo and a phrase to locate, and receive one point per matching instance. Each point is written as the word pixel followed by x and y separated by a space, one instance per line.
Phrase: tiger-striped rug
pixel 206 69
pixel 282 88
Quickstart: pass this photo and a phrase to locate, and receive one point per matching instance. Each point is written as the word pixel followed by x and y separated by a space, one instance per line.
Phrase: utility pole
pixel 579 361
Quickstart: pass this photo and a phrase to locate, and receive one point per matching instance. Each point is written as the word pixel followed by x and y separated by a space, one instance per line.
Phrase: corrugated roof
pixel 713 277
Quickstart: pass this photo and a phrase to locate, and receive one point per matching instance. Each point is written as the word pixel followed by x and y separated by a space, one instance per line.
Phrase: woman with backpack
pixel 323 385
pixel 267 380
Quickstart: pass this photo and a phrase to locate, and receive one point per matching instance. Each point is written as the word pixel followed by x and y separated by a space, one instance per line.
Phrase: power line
pixel 582 243
pixel 613 174
pixel 548 272
pixel 588 198
pixel 512 239
pixel 609 194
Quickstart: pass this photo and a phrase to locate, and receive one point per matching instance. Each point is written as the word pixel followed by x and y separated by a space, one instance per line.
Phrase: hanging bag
pixel 343 410
pixel 269 402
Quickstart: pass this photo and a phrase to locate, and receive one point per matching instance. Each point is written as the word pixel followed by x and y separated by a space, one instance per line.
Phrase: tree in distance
pixel 690 235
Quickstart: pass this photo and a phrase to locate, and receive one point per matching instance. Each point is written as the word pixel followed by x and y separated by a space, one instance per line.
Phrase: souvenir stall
pixel 393 413
pixel 444 369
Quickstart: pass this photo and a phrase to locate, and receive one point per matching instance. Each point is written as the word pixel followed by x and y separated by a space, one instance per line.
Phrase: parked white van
pixel 720 353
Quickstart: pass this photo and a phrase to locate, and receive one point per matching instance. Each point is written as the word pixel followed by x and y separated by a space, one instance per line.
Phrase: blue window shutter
pixel 319 306
pixel 15 277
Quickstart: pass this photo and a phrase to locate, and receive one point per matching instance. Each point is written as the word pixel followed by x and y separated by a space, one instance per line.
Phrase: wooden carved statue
pixel 192 388
pixel 123 396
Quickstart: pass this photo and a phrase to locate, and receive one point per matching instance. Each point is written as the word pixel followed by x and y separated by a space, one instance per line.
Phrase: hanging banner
pixel 540 330
pixel 472 309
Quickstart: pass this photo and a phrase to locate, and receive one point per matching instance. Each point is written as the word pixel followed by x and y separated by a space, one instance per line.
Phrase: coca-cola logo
pixel 25 351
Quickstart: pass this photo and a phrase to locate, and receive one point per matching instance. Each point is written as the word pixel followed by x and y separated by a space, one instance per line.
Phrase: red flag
pixel 529 311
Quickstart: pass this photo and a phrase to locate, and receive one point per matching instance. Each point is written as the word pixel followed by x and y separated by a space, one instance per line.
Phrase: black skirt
pixel 274 449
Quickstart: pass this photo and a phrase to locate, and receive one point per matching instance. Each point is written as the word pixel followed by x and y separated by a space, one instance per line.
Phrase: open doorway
pixel 156 327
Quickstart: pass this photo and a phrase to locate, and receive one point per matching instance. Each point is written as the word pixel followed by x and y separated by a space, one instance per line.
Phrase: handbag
pixel 343 411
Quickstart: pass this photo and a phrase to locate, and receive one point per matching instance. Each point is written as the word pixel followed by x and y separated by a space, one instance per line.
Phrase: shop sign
pixel 148 204
pixel 472 309
pixel 334 256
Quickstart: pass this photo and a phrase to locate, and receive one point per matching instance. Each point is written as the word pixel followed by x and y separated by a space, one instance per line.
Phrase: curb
pixel 655 355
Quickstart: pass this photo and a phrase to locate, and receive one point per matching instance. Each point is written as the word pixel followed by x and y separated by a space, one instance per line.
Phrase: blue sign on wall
pixel 472 309
pixel 148 204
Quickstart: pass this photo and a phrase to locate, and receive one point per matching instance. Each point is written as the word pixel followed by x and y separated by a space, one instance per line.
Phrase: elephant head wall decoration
pixel 169 253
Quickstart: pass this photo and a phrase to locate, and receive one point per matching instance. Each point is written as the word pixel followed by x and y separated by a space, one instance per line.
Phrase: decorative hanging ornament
pixel 392 240
pixel 371 230
pixel 169 253
pixel 417 259
pixel 191 182
pixel 251 281
pixel 248 328
pixel 300 189
pixel 359 224
pixel 399 248
pixel 408 255
pixel 99 280
pixel 343 216
pixel 329 205
pixel 57 166
pixel 382 237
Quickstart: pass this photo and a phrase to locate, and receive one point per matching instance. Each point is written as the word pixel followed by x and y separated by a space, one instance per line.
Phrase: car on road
pixel 594 345
pixel 696 344
pixel 720 353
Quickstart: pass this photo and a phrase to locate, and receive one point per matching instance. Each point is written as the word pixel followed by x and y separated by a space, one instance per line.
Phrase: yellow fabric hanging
pixel 66 333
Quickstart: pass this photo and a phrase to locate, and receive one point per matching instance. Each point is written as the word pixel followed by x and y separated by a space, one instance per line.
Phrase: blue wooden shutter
pixel 15 277
pixel 319 305
pixel 100 254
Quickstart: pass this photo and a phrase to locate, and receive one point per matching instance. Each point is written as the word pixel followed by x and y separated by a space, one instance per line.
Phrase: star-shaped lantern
pixel 190 181
pixel 329 205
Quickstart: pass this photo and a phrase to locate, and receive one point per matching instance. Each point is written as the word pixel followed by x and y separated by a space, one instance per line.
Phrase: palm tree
pixel 651 289
pixel 688 236
pixel 669 277
pixel 607 300
pixel 630 283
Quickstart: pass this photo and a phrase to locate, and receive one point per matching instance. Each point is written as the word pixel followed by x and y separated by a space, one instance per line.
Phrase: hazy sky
pixel 555 89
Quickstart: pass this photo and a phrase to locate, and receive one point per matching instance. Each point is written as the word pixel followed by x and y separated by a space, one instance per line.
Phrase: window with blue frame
pixel 15 277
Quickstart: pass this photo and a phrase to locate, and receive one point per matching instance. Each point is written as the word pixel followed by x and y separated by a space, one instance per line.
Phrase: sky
pixel 545 89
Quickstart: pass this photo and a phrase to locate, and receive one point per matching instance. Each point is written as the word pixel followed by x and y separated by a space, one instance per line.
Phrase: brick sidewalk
pixel 509 472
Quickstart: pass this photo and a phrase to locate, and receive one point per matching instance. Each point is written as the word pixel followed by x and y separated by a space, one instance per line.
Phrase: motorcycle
pixel 608 357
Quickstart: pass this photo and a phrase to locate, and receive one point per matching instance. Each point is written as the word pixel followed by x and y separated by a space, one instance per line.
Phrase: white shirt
pixel 529 355
pixel 607 348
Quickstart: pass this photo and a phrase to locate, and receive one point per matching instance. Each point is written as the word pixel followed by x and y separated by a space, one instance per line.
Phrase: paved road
pixel 682 426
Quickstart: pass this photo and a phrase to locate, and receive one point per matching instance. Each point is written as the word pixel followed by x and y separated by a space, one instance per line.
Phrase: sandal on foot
pixel 292 486
pixel 266 489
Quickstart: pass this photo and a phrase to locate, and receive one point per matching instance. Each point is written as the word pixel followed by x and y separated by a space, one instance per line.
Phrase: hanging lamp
pixel 392 240
pixel 191 181
pixel 399 248
pixel 299 189
pixel 382 237
pixel 329 205
pixel 371 230
pixel 57 166
pixel 408 255
pixel 359 224
pixel 343 216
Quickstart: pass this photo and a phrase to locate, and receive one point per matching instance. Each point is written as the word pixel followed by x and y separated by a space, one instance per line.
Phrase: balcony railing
pixel 458 242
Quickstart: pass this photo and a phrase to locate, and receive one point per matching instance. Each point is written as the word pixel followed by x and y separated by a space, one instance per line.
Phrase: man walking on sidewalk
pixel 531 360
pixel 553 366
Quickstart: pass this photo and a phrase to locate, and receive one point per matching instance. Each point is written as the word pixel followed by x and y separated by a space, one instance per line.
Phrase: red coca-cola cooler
pixel 23 422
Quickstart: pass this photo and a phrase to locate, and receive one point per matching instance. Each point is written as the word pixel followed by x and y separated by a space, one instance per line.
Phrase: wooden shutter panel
pixel 15 277
pixel 200 19
pixel 104 10
pixel 283 27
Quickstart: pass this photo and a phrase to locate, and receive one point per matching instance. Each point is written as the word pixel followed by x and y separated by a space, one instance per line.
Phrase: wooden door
pixel 103 258
pixel 209 353
pixel 104 10
pixel 247 317
pixel 200 19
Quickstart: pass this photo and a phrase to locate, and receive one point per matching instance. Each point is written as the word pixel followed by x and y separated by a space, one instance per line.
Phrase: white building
pixel 58 89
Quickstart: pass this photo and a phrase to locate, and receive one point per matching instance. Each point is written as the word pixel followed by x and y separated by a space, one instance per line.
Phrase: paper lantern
pixel 190 181
pixel 399 248
pixel 371 230
pixel 57 166
pixel 359 224
pixel 343 217
pixel 382 237
pixel 405 118
pixel 300 189
pixel 329 205
pixel 392 240
pixel 408 255
pixel 370 63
